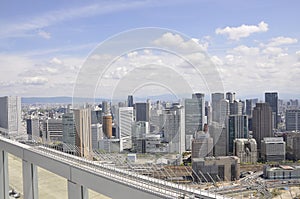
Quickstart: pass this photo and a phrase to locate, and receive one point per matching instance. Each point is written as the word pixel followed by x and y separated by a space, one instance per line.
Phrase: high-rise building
pixel 237 128
pixel 10 115
pixel 230 97
pixel 249 107
pixel 194 114
pixel 236 108
pixel 97 134
pixel 173 129
pixel 202 145
pixel 220 137
pixel 83 131
pixel 130 101
pixel 69 134
pixel 216 98
pixel 52 130
pixel 142 112
pixel 272 100
pixel 261 123
pixel 105 107
pixel 107 126
pixel 124 120
pixel 33 128
pixel 292 120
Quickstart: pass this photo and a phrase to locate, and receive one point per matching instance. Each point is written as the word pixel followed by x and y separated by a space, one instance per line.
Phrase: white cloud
pixel 235 33
pixel 278 41
pixel 44 34
pixel 245 50
pixel 55 60
pixel 273 51
pixel 35 80
pixel 176 42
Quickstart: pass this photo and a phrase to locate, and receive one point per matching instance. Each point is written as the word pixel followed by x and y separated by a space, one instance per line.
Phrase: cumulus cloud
pixel 176 42
pixel 44 34
pixel 235 33
pixel 278 41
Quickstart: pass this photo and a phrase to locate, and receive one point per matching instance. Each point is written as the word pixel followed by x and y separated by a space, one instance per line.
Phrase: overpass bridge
pixel 82 174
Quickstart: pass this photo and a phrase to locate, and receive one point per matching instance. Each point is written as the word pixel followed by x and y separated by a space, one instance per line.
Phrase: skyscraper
pixel 216 98
pixel 124 120
pixel 69 134
pixel 142 112
pixel 237 128
pixel 262 123
pixel 107 126
pixel 173 129
pixel 10 115
pixel 194 114
pixel 292 120
pixel 130 101
pixel 272 100
pixel 32 126
pixel 83 131
pixel 249 107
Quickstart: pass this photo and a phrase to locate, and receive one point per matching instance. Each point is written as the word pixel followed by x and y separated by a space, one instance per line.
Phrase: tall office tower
pixel 10 115
pixel 33 128
pixel 130 101
pixel 194 114
pixel 292 120
pixel 215 103
pixel 224 111
pixel 272 100
pixel 236 108
pixel 83 131
pixel 219 134
pixel 202 145
pixel 52 130
pixel 139 132
pixel 124 120
pixel 173 129
pixel 261 123
pixel 230 97
pixel 142 112
pixel 208 113
pixel 107 126
pixel 97 134
pixel 249 107
pixel 105 108
pixel 237 128
pixel 96 116
pixel 69 134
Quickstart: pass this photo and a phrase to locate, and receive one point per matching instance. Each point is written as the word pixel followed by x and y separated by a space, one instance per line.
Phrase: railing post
pixel 30 180
pixel 76 191
pixel 4 184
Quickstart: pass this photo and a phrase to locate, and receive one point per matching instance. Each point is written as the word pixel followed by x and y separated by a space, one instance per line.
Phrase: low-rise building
pixel 273 149
pixel 281 172
pixel 246 150
pixel 212 169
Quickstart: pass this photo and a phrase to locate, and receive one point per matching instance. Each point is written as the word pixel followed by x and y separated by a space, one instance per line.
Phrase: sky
pixel 253 45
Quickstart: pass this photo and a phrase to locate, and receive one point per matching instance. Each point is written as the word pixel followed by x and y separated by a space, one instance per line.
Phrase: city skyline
pixel 42 48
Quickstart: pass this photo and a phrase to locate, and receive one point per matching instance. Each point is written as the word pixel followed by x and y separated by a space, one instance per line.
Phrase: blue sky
pixel 44 43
